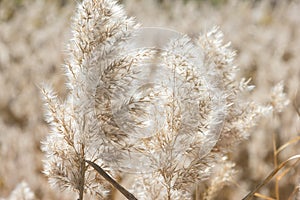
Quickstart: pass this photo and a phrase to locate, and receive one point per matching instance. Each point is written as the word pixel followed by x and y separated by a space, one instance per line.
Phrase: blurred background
pixel 265 35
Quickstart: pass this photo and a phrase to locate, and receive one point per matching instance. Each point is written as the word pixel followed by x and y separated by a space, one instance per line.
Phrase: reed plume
pixel 171 114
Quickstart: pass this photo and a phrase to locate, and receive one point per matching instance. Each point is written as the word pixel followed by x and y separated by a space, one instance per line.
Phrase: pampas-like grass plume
pixel 172 123
pixel 99 28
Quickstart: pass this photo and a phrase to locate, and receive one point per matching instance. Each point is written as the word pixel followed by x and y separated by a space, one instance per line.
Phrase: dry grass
pixel 33 36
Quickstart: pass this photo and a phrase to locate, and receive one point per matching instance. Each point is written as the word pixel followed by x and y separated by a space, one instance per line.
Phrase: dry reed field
pixel 149 99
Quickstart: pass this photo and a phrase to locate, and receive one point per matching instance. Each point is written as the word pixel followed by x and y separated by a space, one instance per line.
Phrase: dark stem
pixel 82 173
pixel 82 179
pixel 127 194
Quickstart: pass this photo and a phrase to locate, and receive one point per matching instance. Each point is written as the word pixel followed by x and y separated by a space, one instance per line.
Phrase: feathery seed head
pixel 145 100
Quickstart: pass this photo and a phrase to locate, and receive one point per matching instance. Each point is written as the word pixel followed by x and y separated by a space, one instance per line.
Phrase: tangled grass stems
pixel 280 176
pixel 250 195
pixel 276 152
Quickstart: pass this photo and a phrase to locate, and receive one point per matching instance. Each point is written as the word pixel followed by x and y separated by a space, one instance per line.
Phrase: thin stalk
pixel 274 150
pixel 263 196
pixel 280 176
pixel 82 163
pixel 275 165
pixel 127 194
pixel 294 193
pixel 82 175
pixel 81 184
pixel 197 193
pixel 294 140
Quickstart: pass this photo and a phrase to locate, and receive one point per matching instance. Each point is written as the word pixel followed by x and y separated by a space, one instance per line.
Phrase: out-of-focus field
pixel 265 34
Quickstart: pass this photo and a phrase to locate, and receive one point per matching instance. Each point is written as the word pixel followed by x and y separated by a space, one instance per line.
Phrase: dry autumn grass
pixel 266 37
